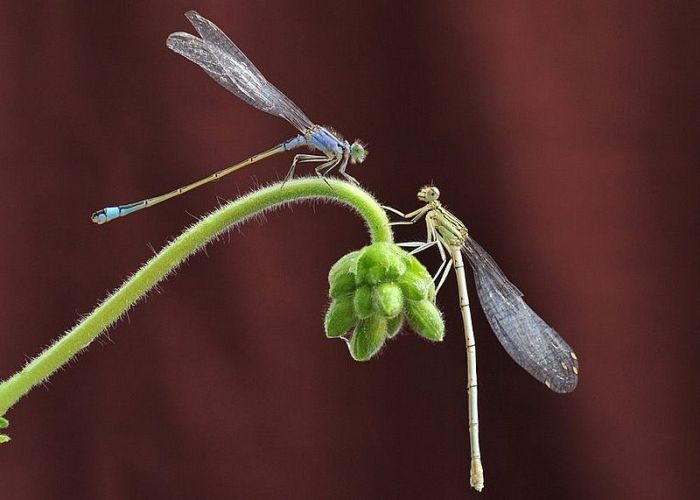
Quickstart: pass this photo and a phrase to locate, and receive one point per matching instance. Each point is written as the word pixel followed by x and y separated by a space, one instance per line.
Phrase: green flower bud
pixel 388 299
pixel 4 424
pixel 419 281
pixel 417 286
pixel 342 275
pixel 368 338
pixel 345 264
pixel 393 325
pixel 363 302
pixel 425 319
pixel 379 262
pixel 414 265
pixel 343 285
pixel 340 317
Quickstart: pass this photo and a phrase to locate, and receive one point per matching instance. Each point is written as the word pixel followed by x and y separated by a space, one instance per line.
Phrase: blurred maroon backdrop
pixel 565 135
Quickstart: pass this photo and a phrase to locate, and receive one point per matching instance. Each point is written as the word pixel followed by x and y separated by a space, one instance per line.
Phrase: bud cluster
pixel 373 291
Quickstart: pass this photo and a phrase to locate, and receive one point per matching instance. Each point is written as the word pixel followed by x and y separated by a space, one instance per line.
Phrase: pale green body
pixel 449 234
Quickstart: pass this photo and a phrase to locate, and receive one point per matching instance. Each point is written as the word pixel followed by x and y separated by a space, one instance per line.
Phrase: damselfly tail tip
pixel 99 217
pixel 476 479
pixel 102 216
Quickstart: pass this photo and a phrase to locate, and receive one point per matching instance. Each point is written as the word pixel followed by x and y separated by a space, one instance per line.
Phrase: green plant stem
pixel 177 251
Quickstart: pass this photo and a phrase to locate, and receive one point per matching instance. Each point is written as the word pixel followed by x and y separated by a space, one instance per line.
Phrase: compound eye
pixel 357 152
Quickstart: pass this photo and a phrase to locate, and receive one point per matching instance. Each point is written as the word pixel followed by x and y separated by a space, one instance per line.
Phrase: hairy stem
pixel 194 238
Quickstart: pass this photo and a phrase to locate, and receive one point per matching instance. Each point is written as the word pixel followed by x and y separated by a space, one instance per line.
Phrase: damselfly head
pixel 358 152
pixel 428 194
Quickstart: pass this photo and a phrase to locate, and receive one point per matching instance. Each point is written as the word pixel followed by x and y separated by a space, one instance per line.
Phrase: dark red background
pixel 565 135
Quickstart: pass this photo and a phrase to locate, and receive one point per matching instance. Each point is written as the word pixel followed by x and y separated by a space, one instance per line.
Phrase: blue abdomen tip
pixel 112 212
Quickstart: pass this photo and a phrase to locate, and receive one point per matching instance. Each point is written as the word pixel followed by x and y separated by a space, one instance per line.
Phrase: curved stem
pixel 194 238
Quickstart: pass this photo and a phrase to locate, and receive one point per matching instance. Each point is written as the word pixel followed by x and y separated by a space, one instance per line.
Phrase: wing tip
pixel 562 386
pixel 192 15
pixel 179 36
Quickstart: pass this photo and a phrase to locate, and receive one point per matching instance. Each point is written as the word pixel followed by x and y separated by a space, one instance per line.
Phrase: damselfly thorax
pixel 327 141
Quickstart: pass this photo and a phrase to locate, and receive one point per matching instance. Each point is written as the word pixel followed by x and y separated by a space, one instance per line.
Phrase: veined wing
pixel 531 342
pixel 229 66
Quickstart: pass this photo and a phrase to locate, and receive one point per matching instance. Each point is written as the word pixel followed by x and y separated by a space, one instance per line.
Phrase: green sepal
pixel 388 299
pixel 345 264
pixel 4 423
pixel 368 338
pixel 363 302
pixel 380 262
pixel 416 286
pixel 340 317
pixel 4 438
pixel 417 279
pixel 425 319
pixel 341 277
pixel 344 284
pixel 393 325
pixel 414 265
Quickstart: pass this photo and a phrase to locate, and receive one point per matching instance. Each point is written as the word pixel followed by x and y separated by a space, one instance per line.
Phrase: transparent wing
pixel 229 66
pixel 193 49
pixel 531 342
